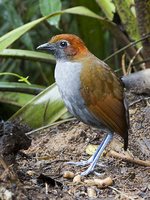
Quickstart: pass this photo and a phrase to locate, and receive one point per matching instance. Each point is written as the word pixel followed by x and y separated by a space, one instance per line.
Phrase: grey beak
pixel 46 46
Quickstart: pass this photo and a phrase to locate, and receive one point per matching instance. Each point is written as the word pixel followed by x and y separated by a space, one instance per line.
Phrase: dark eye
pixel 63 44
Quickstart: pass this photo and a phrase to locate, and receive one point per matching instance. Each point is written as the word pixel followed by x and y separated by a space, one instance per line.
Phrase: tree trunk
pixel 143 17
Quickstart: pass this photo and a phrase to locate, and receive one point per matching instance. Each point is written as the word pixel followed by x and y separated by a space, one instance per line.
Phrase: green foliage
pixel 45 108
pixel 21 78
pixel 26 54
pixel 21 87
pixel 49 7
pixel 108 8
pixel 15 21
pixel 13 35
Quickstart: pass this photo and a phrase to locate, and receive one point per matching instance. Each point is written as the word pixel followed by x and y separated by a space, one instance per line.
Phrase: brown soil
pixel 38 172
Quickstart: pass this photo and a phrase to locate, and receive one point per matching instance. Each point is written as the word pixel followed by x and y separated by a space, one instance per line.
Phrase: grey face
pixel 58 48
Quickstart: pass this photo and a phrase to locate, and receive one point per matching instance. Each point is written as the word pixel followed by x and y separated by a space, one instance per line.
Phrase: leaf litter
pixel 38 172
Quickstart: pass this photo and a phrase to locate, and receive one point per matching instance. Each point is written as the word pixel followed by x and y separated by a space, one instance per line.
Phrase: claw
pixel 81 163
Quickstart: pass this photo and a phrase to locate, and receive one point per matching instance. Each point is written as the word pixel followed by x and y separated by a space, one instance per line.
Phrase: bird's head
pixel 66 47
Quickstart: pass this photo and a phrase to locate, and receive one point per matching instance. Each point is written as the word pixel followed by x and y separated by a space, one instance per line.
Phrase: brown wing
pixel 103 92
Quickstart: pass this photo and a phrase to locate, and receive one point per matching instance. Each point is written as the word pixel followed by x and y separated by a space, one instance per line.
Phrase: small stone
pixel 132 111
pixel 5 194
pixel 68 174
pixel 100 183
pixel 30 173
pixel 91 193
pixel 77 179
pixel 103 183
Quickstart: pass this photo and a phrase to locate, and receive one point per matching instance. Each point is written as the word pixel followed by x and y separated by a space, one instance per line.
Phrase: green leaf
pixel 21 88
pixel 45 108
pixel 13 35
pixel 48 7
pixel 13 98
pixel 29 55
pixel 80 10
pixel 16 21
pixel 108 8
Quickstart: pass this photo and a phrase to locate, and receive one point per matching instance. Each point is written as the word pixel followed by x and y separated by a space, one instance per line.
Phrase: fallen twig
pixel 146 99
pixel 129 158
pixel 123 65
pixel 132 60
pixel 7 170
pixel 49 125
pixel 3 163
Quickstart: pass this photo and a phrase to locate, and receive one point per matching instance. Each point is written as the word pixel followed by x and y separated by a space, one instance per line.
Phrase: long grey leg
pixel 100 149
pixel 94 158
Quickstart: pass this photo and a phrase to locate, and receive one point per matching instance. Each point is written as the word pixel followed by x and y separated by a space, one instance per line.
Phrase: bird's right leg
pixel 96 154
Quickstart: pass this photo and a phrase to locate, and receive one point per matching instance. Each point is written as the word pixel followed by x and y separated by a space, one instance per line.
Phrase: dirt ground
pixel 37 173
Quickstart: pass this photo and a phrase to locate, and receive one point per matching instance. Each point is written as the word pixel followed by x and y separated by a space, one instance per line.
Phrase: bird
pixel 91 91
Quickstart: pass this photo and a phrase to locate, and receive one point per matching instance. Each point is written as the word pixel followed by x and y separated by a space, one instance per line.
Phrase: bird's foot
pixel 84 163
pixel 89 169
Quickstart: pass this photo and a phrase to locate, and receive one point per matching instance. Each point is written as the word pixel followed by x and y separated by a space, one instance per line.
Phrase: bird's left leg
pixel 94 158
pixel 101 148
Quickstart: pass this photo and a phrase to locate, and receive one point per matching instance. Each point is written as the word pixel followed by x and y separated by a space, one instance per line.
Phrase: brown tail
pixel 126 141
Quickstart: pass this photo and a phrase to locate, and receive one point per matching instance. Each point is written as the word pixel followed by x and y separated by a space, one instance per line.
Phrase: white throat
pixel 67 76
